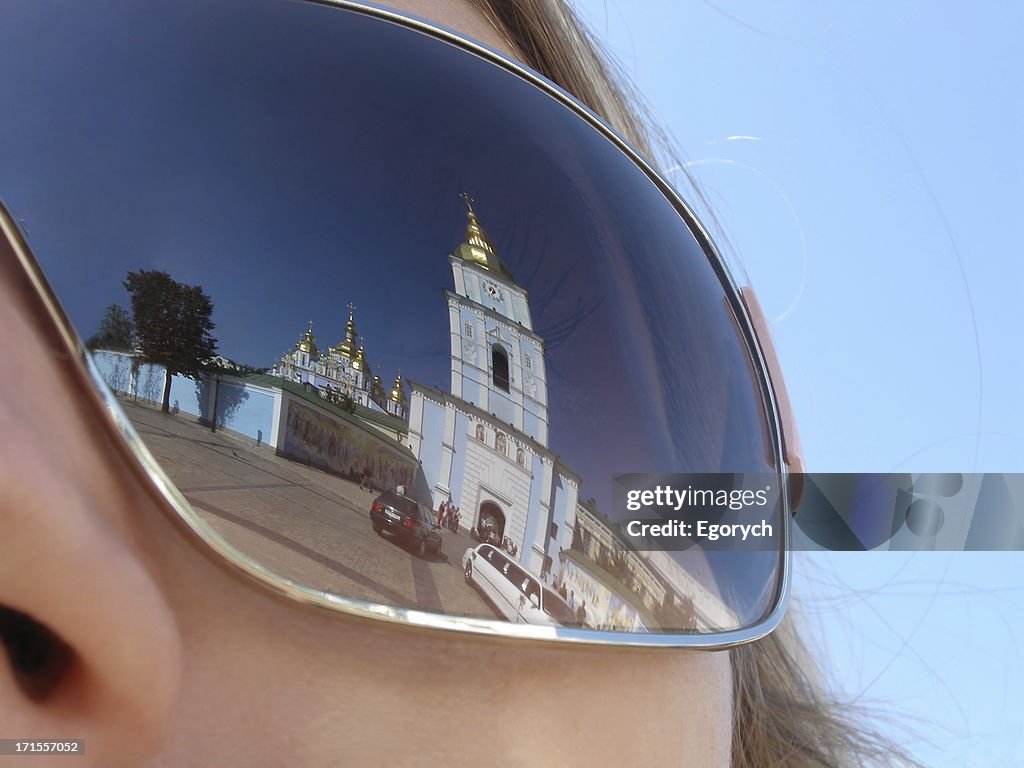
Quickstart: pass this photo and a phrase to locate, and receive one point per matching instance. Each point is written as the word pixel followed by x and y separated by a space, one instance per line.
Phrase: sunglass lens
pixel 389 316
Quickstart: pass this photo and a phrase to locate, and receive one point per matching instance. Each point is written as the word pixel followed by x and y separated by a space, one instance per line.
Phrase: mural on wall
pixel 604 609
pixel 342 449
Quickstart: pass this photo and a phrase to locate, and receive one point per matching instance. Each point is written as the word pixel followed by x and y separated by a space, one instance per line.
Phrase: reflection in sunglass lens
pixel 388 316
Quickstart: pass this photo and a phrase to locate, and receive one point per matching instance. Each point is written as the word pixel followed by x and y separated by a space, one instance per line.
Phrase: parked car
pixel 407 520
pixel 518 595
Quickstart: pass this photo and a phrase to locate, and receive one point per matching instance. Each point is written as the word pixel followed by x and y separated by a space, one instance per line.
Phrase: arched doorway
pixel 491 518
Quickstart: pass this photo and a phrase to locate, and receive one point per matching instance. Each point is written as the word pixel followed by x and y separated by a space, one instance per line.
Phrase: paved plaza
pixel 304 524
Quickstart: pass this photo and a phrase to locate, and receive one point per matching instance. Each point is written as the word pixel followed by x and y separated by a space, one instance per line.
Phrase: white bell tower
pixel 497 359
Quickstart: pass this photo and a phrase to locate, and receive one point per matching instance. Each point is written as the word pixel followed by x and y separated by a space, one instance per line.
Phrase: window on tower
pixel 499 365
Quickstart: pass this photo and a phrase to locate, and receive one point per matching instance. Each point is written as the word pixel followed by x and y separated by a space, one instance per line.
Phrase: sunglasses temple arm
pixel 793 452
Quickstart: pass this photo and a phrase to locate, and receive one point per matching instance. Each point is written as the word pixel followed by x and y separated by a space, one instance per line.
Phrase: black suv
pixel 408 521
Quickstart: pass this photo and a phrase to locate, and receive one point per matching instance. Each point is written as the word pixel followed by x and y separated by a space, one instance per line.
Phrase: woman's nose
pixel 92 650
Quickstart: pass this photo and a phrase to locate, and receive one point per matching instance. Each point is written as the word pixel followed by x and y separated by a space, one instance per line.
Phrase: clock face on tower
pixel 493 291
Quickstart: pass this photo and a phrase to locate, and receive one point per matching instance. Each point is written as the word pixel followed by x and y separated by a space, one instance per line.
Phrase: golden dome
pixel 347 348
pixel 306 342
pixel 360 363
pixel 477 249
pixel 397 390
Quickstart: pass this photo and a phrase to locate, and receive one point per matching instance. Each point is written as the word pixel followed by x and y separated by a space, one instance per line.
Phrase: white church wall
pixel 563 515
pixel 534 536
pixel 491 477
pixel 416 406
pixel 533 374
pixel 532 426
pixel 146 382
pixel 458 475
pixel 502 407
pixel 471 392
pixel 470 357
pixel 471 282
pixel 522 310
pixel 242 407
pixel 447 451
pixel 115 368
pixel 430 449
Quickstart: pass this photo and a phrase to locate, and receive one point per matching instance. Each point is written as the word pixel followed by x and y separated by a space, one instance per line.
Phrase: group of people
pixel 448 515
pixel 579 610
pixel 491 536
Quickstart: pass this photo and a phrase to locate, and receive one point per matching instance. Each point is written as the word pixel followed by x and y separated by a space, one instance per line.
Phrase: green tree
pixel 116 331
pixel 172 324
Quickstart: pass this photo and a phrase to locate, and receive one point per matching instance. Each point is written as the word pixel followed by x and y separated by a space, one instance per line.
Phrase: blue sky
pixel 862 160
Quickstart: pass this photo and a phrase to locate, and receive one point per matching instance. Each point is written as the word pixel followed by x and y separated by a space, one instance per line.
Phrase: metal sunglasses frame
pixel 88 378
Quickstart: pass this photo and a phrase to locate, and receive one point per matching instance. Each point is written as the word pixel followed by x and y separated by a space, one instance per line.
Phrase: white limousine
pixel 518 595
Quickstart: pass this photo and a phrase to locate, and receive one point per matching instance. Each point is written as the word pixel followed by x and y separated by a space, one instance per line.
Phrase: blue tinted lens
pixel 444 310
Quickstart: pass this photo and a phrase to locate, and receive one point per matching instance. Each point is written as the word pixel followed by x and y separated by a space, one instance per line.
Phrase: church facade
pixel 341 371
pixel 484 443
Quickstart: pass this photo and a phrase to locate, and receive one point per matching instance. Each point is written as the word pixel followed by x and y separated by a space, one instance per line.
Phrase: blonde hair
pixel 782 714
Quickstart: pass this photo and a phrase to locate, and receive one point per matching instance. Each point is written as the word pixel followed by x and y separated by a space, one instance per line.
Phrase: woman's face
pixel 173 660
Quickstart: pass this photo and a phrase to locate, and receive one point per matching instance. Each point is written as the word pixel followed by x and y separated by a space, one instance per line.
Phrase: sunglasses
pixel 381 316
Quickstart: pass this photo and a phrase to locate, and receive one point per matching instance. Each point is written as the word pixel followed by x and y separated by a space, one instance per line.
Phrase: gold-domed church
pixel 342 371
pixel 483 445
